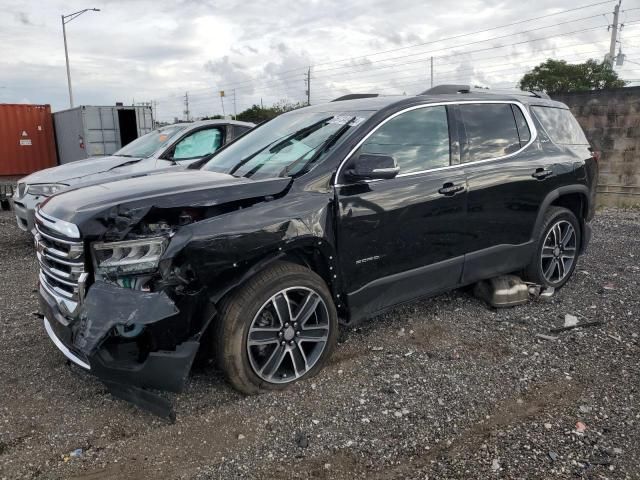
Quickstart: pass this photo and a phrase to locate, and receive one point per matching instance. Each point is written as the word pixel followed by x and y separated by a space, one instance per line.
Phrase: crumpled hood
pixel 181 188
pixel 71 173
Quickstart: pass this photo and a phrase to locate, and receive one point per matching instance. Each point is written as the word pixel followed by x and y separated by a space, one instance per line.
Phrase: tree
pixel 257 114
pixel 558 76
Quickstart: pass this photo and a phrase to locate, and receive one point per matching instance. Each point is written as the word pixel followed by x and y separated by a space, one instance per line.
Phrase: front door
pixel 402 238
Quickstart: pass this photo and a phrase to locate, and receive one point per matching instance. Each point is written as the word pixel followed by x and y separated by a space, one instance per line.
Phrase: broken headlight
pixel 129 256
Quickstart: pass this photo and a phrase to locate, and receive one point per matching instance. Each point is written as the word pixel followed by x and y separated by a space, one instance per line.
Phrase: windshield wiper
pixel 279 142
pixel 122 155
pixel 325 146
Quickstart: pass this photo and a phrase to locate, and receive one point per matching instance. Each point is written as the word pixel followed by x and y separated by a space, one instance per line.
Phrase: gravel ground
pixel 443 388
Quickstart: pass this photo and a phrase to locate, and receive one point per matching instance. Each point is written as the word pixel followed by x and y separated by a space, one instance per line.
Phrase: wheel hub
pixel 289 333
pixel 556 251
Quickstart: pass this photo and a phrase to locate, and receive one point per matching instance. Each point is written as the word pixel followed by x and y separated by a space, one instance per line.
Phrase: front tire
pixel 557 249
pixel 279 327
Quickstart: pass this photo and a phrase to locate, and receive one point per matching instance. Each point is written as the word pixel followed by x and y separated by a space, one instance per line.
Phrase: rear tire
pixel 557 248
pixel 251 336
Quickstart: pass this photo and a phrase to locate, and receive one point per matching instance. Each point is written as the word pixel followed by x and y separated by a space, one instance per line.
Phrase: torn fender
pixel 219 248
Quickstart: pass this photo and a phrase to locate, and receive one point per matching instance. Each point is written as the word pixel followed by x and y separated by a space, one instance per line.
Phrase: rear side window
pixel 418 139
pixel 239 130
pixel 523 128
pixel 560 125
pixel 491 131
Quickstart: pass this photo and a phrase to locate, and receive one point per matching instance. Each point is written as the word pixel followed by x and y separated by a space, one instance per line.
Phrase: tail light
pixel 595 154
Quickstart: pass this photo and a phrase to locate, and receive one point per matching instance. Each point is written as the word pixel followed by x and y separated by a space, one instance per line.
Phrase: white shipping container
pixel 90 131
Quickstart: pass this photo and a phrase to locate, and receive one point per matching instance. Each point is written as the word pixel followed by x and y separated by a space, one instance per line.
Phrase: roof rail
pixel 355 96
pixel 453 89
pixel 539 94
pixel 446 89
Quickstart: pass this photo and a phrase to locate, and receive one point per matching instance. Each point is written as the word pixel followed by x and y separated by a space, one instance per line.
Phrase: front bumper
pixel 124 375
pixel 25 211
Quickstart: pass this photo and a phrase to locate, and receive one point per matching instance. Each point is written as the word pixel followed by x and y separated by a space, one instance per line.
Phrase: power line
pixel 457 53
pixel 421 63
pixel 268 85
pixel 300 69
pixel 464 34
pixel 290 93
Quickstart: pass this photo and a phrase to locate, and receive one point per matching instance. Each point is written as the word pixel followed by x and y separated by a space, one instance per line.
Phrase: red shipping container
pixel 27 141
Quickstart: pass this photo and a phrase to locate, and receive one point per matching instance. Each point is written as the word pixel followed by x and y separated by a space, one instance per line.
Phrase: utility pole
pixel 66 19
pixel 308 82
pixel 614 34
pixel 222 102
pixel 186 105
pixel 154 112
pixel 235 113
pixel 431 72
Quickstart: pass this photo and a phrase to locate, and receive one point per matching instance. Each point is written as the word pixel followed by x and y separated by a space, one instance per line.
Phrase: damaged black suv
pixel 334 211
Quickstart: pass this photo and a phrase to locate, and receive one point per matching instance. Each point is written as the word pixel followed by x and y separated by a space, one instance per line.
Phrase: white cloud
pixel 157 50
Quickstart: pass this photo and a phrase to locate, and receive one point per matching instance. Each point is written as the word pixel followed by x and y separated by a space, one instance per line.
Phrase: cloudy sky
pixel 140 50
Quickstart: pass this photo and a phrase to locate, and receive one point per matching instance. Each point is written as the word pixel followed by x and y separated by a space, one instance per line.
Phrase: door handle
pixel 542 173
pixel 450 189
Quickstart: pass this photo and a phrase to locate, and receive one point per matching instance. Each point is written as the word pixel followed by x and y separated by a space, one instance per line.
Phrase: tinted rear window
pixel 560 125
pixel 490 131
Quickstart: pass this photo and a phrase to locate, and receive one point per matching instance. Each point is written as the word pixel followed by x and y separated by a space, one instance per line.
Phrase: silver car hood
pixel 82 170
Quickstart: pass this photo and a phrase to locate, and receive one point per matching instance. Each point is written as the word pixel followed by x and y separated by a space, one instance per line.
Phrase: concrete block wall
pixel 611 121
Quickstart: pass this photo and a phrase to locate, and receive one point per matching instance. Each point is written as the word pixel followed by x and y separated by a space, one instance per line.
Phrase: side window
pixel 523 129
pixel 490 131
pixel 417 140
pixel 198 144
pixel 560 125
pixel 239 130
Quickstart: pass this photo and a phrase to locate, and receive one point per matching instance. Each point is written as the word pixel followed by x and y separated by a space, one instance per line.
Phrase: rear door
pixel 403 238
pixel 508 177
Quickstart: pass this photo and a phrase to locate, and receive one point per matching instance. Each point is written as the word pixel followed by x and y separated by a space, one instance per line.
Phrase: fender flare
pixel 554 195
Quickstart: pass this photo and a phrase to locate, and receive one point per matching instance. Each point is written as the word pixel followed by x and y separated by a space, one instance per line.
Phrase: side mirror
pixel 372 167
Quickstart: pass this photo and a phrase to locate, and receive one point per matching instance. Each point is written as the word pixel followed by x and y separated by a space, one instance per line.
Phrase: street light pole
pixel 66 19
pixel 66 56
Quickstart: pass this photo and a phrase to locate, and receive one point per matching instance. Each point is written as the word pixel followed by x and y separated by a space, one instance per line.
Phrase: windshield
pixel 287 145
pixel 150 143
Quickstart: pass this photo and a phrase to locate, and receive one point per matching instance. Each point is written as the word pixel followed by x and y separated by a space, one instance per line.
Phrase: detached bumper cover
pixel 81 341
pixel 63 348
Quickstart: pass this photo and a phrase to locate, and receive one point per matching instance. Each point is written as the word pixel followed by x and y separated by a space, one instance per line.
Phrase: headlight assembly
pixel 45 189
pixel 129 256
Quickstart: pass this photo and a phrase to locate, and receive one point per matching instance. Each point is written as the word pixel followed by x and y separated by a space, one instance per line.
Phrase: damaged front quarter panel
pixel 147 336
pixel 221 252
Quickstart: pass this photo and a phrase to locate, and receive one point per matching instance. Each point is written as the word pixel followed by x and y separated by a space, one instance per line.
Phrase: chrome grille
pixel 62 262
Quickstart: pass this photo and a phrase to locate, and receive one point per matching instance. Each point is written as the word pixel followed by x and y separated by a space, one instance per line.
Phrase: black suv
pixel 334 211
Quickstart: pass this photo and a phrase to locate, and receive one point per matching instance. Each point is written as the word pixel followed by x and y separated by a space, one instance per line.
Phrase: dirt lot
pixel 444 388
